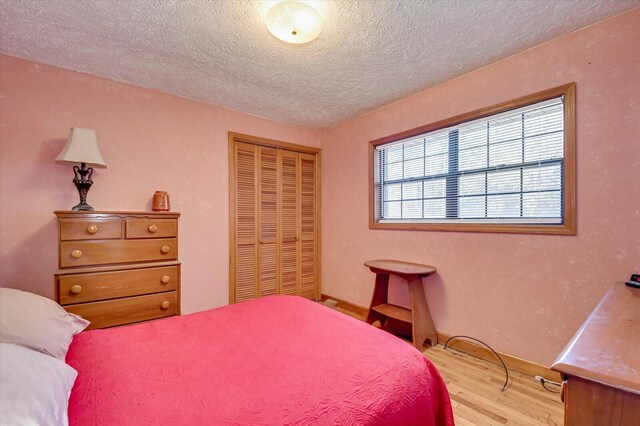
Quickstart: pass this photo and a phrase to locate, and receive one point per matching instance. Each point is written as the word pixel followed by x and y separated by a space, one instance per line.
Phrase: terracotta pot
pixel 160 202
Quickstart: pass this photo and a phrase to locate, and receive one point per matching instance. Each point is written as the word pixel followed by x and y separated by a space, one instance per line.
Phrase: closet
pixel 274 217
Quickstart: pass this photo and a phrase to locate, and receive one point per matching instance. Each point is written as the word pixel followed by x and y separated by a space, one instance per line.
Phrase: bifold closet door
pixel 289 222
pixel 268 221
pixel 274 222
pixel 256 260
pixel 246 222
pixel 308 250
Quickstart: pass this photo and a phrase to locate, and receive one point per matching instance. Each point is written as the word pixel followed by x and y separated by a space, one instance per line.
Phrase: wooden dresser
pixel 118 268
pixel 601 364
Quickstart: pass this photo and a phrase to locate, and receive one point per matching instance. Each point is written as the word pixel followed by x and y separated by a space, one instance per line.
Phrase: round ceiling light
pixel 294 22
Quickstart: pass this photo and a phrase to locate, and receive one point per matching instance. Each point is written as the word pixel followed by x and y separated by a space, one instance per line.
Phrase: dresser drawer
pixel 124 311
pixel 90 229
pixel 81 288
pixel 151 228
pixel 83 253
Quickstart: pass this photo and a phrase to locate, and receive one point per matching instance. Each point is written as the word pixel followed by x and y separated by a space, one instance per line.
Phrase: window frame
pixel 567 227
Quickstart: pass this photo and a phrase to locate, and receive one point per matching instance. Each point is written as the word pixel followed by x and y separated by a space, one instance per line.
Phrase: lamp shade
pixel 81 147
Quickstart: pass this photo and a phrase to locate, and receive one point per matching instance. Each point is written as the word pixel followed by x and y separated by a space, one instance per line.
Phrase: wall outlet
pixel 331 303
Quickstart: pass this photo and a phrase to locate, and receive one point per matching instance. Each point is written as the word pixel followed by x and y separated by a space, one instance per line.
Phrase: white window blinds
pixel 504 168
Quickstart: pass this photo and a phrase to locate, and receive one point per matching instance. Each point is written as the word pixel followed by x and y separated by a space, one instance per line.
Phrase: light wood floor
pixel 474 387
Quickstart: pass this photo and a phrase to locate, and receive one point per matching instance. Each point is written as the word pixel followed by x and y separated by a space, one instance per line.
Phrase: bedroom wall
pixel 149 140
pixel 523 294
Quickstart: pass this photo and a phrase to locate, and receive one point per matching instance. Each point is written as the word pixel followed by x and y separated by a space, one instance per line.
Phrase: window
pixel 507 168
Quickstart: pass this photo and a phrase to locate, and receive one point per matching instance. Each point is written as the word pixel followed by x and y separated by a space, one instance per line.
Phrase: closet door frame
pixel 270 143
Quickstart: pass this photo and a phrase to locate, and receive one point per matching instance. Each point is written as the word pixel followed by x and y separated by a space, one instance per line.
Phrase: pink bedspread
pixel 276 360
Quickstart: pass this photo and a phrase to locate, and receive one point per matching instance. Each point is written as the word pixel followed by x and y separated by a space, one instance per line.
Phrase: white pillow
pixel 35 387
pixel 37 322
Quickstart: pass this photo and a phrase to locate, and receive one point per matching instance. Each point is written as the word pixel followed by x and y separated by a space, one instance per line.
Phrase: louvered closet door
pixel 274 214
pixel 268 222
pixel 308 253
pixel 246 247
pixel 289 219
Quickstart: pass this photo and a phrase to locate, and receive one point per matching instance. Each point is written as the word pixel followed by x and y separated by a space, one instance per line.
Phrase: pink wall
pixel 150 141
pixel 522 294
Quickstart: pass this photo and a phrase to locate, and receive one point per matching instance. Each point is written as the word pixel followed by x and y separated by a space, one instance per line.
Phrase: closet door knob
pixel 165 249
pixel 76 254
pixel 153 228
pixel 92 229
pixel 76 289
pixel 165 305
pixel 165 279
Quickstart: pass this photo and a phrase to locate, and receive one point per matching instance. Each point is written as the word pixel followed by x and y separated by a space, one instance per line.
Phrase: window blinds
pixel 505 168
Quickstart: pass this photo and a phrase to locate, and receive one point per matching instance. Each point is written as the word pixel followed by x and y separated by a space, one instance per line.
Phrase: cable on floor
pixel 544 382
pixel 506 370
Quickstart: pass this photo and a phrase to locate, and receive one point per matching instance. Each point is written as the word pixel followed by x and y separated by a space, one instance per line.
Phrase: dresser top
pixel 98 213
pixel 606 348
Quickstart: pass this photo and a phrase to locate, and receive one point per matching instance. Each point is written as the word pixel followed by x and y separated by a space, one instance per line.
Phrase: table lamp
pixel 82 147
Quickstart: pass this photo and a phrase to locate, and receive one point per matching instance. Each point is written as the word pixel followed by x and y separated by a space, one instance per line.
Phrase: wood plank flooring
pixel 474 387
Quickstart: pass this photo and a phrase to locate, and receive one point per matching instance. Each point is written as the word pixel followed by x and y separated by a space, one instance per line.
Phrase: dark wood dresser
pixel 118 268
pixel 601 364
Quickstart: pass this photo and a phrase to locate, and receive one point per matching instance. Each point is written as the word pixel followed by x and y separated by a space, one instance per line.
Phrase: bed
pixel 274 360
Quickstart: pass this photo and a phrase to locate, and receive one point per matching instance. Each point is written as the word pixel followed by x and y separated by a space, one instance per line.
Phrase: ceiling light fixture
pixel 294 22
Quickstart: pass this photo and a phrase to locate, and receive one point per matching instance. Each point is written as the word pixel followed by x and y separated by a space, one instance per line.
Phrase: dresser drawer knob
pixel 76 289
pixel 165 305
pixel 165 249
pixel 76 254
pixel 153 228
pixel 165 279
pixel 92 229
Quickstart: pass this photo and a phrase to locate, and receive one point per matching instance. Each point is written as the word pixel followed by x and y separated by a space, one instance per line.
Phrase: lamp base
pixel 83 182
pixel 83 207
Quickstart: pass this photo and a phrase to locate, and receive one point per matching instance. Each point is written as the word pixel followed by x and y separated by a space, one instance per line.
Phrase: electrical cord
pixel 544 382
pixel 506 370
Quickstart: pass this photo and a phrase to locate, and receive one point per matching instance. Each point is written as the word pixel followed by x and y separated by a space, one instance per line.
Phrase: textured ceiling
pixel 370 52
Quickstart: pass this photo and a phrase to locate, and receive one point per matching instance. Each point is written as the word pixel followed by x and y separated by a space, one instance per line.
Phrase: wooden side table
pixel 418 316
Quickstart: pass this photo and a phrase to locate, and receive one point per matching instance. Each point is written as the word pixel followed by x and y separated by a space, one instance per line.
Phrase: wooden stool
pixel 418 316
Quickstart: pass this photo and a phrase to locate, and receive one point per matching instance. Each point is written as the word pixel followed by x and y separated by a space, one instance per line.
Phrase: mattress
pixel 276 360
